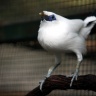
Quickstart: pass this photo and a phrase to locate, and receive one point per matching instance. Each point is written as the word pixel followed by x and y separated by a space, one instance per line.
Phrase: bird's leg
pixel 75 75
pixel 51 69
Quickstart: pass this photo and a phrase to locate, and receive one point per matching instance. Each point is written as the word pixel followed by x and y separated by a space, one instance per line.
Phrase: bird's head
pixel 48 16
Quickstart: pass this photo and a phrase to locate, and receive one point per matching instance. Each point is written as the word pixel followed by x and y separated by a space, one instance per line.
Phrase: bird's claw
pixel 41 83
pixel 74 77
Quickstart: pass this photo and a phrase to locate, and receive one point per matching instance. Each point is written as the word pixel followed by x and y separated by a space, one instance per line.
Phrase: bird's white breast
pixel 51 35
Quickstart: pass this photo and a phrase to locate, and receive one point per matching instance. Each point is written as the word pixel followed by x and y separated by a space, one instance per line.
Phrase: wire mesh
pixel 22 65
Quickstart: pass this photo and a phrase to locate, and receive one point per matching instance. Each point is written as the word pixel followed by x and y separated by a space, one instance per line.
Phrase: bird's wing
pixel 76 25
pixel 71 25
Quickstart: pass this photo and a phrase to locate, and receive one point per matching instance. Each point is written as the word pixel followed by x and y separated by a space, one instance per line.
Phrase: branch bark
pixel 60 82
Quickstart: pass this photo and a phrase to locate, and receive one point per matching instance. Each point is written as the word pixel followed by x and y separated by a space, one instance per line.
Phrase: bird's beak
pixel 42 15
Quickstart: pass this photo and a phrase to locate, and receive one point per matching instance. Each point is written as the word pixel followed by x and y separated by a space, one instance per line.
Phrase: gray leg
pixel 57 63
pixel 75 75
pixel 51 69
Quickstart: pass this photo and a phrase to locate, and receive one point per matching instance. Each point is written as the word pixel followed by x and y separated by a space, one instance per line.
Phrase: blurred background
pixel 23 62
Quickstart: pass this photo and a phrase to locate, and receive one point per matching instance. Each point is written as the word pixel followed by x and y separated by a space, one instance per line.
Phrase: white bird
pixel 58 34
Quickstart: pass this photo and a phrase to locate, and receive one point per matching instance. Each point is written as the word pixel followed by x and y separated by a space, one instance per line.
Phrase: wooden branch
pixel 84 82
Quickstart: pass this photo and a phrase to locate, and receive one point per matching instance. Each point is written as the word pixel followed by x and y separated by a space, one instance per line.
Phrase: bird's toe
pixel 74 77
pixel 41 83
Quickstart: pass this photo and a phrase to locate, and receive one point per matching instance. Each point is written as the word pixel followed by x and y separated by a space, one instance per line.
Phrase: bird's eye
pixel 52 16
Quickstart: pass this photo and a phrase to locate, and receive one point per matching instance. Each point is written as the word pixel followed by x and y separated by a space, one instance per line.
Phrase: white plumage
pixel 58 34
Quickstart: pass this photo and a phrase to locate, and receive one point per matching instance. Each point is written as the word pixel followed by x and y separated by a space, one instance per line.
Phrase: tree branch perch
pixel 60 82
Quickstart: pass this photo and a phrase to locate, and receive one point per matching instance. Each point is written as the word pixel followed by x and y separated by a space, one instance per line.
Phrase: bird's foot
pixel 74 77
pixel 41 83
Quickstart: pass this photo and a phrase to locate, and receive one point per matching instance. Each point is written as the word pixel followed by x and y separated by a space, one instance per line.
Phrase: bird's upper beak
pixel 42 15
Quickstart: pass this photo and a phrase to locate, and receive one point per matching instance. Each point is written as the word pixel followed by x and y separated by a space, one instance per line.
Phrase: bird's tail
pixel 89 23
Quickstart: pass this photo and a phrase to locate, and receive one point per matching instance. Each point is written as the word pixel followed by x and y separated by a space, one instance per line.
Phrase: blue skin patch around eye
pixel 50 18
